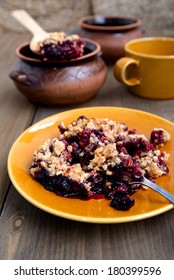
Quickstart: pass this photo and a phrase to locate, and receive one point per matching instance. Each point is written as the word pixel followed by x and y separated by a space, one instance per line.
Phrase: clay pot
pixel 63 82
pixel 111 32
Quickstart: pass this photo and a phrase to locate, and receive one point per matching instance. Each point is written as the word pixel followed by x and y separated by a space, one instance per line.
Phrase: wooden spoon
pixel 38 33
pixel 41 37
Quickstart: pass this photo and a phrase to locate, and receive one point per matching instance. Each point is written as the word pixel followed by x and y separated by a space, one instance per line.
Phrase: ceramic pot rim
pixel 137 22
pixel 39 60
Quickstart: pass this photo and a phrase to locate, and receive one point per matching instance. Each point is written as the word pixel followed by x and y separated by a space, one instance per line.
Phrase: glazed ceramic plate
pixel 148 203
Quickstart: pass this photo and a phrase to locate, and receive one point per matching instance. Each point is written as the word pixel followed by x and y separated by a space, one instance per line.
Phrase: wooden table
pixel 27 232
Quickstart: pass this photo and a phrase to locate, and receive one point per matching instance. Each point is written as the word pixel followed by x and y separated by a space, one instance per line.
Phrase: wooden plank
pixel 16 112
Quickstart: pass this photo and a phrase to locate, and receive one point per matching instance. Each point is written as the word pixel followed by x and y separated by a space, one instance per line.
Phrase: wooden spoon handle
pixel 26 20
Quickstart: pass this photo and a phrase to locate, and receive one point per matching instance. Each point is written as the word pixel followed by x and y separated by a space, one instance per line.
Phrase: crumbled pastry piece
pixel 99 156
pixel 159 137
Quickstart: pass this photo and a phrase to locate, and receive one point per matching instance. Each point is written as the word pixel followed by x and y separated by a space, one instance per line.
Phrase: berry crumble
pixel 97 158
pixel 60 46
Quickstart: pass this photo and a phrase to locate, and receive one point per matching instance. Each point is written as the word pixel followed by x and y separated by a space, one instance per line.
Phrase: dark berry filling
pixel 122 203
pixel 61 185
pixel 68 49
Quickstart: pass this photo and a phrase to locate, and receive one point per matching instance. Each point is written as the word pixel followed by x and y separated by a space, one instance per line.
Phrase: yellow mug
pixel 148 67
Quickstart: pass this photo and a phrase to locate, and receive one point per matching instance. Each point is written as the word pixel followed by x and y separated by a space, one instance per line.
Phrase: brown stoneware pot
pixel 59 82
pixel 111 32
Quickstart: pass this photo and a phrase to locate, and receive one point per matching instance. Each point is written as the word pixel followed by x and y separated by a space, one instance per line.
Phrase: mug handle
pixel 121 71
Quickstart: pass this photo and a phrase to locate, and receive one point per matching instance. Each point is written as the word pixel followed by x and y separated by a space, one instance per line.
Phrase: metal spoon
pixel 156 188
pixel 38 33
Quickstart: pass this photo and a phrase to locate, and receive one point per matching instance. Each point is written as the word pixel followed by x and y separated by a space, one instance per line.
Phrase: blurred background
pixel 56 15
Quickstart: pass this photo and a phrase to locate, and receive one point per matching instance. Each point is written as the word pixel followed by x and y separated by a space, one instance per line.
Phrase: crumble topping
pixel 99 156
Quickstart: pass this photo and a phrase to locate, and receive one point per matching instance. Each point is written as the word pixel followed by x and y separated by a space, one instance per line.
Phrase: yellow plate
pixel 147 202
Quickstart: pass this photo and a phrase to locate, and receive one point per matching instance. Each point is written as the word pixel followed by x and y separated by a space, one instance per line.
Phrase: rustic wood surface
pixel 27 232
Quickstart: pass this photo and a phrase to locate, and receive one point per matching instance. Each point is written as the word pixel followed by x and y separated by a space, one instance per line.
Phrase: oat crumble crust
pixel 99 156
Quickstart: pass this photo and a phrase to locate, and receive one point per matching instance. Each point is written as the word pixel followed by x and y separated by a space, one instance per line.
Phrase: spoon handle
pixel 27 21
pixel 158 189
